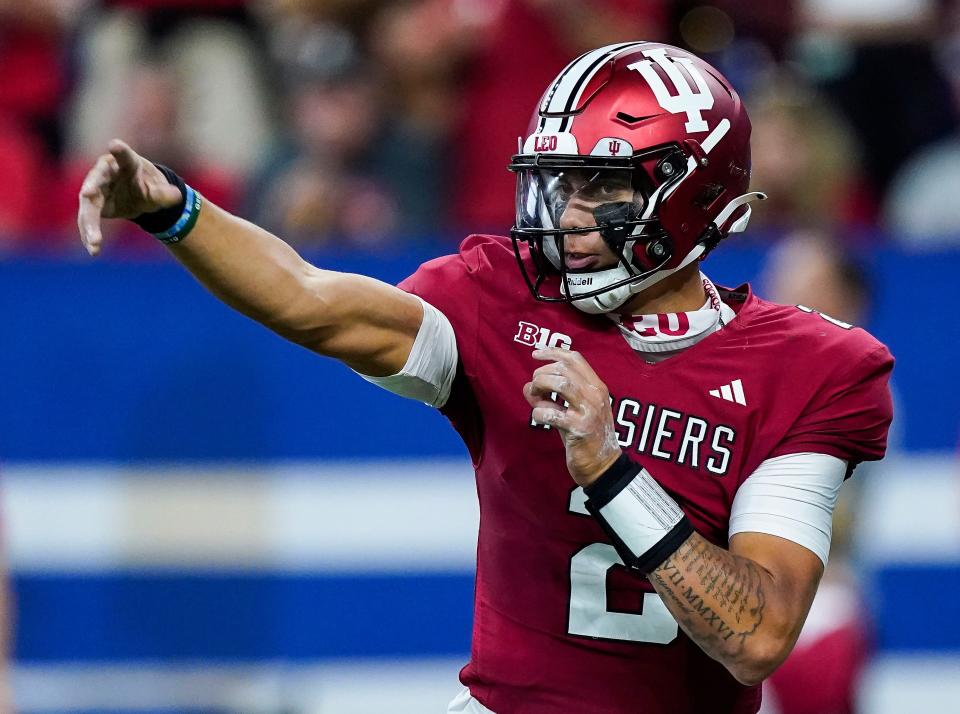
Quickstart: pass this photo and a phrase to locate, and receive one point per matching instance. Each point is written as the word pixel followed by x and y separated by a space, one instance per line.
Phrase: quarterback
pixel 657 457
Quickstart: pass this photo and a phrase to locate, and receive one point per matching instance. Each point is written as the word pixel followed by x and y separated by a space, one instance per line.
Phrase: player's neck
pixel 681 292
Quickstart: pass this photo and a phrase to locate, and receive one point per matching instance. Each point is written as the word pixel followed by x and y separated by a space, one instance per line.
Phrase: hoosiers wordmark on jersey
pixel 559 623
pixel 670 435
pixel 659 431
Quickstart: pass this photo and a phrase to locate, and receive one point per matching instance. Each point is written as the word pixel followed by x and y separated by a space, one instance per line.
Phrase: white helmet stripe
pixel 567 89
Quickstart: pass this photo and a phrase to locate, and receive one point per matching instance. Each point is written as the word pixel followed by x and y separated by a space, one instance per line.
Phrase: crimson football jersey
pixel 560 625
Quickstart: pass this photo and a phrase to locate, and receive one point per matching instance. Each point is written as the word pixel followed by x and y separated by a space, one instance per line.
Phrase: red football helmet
pixel 644 143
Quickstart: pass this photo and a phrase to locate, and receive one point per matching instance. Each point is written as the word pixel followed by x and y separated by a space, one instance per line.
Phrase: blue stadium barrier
pixel 125 361
pixel 915 607
pixel 241 616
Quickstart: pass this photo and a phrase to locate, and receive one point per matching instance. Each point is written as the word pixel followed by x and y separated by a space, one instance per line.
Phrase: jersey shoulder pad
pixel 481 251
pixel 844 372
pixel 818 335
pixel 476 254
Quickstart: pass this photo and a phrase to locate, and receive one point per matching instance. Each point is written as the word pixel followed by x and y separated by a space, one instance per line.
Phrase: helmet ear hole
pixel 659 250
pixel 670 166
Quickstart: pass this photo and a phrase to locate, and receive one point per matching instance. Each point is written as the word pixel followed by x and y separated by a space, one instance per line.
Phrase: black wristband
pixel 166 218
pixel 610 484
pixel 665 548
pixel 612 481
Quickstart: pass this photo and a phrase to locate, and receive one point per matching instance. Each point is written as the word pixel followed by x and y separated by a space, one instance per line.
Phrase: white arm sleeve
pixel 793 497
pixel 432 364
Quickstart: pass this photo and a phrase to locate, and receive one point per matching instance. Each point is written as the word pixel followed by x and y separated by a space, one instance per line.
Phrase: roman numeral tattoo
pixel 716 597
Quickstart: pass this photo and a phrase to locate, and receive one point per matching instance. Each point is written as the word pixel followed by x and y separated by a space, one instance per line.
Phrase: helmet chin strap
pixel 615 298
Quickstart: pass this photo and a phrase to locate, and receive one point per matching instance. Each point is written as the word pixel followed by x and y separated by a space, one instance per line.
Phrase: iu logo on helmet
pixel 614 147
pixel 683 99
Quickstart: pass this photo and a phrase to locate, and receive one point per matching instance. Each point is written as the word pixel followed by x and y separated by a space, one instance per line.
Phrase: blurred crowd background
pixel 376 133
pixel 373 122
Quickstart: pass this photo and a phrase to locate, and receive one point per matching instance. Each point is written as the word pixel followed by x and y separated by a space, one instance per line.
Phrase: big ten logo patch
pixel 540 337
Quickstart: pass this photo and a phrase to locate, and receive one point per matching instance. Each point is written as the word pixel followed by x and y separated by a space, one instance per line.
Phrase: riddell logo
pixel 579 281
pixel 540 337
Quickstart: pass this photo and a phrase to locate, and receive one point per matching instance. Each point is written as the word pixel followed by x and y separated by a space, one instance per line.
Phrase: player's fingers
pixel 88 223
pixel 571 359
pixel 576 370
pixel 551 368
pixel 544 354
pixel 91 199
pixel 104 171
pixel 537 398
pixel 547 384
pixel 128 161
pixel 573 365
pixel 551 416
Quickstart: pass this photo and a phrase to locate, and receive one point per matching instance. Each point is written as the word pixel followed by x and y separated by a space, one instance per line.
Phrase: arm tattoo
pixel 715 596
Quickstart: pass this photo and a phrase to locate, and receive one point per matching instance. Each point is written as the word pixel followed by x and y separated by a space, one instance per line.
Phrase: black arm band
pixel 654 557
pixel 612 481
pixel 645 525
pixel 166 218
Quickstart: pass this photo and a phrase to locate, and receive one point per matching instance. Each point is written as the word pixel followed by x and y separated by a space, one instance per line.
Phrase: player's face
pixel 574 196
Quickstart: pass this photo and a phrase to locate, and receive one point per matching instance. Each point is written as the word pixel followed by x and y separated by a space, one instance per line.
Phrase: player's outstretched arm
pixel 369 325
pixel 744 606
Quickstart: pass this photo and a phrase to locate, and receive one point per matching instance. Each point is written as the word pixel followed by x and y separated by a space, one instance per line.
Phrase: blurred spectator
pixel 434 94
pixel 877 20
pixel 516 49
pixel 152 119
pixel 323 180
pixel 810 268
pixel 421 45
pixel 709 28
pixel 822 673
pixel 875 62
pixel 210 51
pixel 32 34
pixel 921 207
pixel 806 159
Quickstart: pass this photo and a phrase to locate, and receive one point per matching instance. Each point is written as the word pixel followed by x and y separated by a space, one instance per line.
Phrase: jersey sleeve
pixel 451 284
pixel 793 497
pixel 431 366
pixel 850 415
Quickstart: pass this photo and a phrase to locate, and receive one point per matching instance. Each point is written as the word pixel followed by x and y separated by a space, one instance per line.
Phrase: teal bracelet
pixel 187 220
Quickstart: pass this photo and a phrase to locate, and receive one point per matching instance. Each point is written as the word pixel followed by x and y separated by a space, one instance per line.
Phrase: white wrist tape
pixel 644 523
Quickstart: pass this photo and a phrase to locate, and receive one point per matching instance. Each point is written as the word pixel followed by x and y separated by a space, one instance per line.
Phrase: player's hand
pixel 121 184
pixel 586 425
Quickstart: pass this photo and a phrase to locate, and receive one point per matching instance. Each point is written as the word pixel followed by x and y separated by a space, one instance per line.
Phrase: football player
pixel 657 457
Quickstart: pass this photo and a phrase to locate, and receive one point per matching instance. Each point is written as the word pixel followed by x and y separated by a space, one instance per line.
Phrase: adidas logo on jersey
pixel 732 392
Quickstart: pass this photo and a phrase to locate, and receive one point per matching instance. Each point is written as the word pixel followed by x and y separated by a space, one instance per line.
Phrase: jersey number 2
pixel 588 597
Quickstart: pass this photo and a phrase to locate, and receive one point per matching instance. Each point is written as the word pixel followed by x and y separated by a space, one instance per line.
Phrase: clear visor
pixel 566 198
